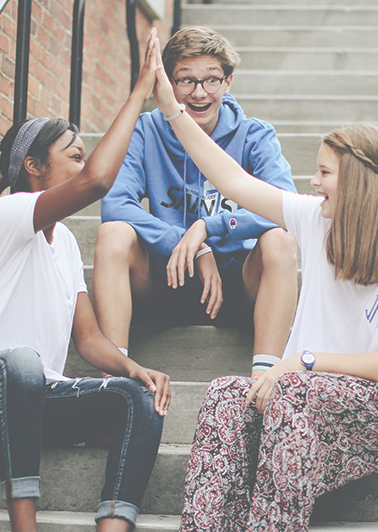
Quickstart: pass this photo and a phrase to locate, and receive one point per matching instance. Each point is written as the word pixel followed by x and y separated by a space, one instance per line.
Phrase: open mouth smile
pixel 199 107
pixel 323 195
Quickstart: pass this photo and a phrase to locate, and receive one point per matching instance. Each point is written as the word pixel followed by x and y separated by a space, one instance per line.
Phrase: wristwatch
pixel 308 359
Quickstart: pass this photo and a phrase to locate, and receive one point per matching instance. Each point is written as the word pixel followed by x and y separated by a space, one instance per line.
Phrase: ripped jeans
pixel 64 413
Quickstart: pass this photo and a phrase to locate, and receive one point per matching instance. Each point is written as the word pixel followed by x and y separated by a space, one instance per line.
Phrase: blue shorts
pixel 181 306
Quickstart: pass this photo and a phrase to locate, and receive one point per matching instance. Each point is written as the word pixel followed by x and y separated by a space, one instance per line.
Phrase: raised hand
pixel 163 91
pixel 147 76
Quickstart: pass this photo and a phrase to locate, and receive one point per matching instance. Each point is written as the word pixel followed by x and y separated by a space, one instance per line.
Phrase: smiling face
pixel 326 179
pixel 66 159
pixel 201 106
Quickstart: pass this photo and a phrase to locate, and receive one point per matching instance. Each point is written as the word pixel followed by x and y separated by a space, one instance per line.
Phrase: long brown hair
pixel 352 242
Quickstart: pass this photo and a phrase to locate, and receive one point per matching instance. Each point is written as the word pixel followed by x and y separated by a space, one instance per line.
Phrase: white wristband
pixel 264 362
pixel 202 251
pixel 182 109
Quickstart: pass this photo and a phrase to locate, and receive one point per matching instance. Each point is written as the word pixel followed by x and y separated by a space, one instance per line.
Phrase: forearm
pixel 101 353
pixel 226 174
pixel 363 365
pixel 106 160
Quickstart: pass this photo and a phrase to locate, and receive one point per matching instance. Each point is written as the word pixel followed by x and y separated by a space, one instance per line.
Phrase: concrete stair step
pixel 300 36
pixel 85 230
pixel 301 151
pixel 280 15
pixel 290 58
pixel 191 353
pixel 285 2
pixel 298 126
pixel 310 107
pixel 288 82
pixel 72 479
pixel 84 522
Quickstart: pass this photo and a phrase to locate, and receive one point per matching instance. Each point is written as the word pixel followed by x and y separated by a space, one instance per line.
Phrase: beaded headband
pixel 21 145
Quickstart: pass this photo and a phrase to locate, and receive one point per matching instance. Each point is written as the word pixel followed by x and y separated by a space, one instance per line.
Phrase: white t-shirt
pixel 39 284
pixel 333 316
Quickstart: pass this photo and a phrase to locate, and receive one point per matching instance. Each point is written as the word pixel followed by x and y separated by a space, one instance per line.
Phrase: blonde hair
pixel 352 242
pixel 195 41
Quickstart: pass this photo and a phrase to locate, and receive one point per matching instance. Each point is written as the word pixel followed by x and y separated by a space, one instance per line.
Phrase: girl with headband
pixel 265 449
pixel 44 298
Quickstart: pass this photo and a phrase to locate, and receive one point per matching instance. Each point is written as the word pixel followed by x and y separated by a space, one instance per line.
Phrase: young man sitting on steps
pixel 246 267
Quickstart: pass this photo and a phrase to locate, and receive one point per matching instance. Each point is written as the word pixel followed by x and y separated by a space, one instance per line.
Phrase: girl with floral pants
pixel 262 473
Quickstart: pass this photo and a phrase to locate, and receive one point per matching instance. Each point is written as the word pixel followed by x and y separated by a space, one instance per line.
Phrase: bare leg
pixel 270 279
pixel 22 515
pixel 114 525
pixel 121 268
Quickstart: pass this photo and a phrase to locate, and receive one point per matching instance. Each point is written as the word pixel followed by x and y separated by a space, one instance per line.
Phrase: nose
pixel 199 92
pixel 315 182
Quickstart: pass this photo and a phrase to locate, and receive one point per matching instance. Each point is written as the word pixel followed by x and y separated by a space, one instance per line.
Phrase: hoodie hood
pixel 230 117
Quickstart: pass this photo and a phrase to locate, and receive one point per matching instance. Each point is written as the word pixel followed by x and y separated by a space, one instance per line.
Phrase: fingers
pixel 253 391
pixel 162 394
pixel 151 47
pixel 172 270
pixel 181 259
pixel 212 284
pixel 181 266
pixel 261 391
pixel 213 294
pixel 159 61
pixel 158 383
pixel 145 378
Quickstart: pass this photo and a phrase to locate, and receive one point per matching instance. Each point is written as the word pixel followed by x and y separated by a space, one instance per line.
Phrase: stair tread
pixel 171 522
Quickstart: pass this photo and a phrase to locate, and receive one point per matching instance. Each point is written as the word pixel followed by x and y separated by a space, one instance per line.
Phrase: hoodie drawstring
pixel 185 158
pixel 199 191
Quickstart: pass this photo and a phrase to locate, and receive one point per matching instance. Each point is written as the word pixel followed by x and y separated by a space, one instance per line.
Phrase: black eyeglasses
pixel 189 85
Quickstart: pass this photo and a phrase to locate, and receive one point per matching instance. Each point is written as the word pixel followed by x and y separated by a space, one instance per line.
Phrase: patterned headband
pixel 21 145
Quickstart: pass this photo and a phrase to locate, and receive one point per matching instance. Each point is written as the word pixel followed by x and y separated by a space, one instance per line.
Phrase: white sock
pixel 124 351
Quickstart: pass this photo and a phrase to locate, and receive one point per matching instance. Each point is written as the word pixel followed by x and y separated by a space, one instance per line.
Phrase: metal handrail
pixel 23 49
pixel 133 40
pixel 76 61
pixel 176 17
pixel 22 60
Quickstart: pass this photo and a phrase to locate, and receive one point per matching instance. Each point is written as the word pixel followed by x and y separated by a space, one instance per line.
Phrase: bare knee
pixel 115 242
pixel 278 250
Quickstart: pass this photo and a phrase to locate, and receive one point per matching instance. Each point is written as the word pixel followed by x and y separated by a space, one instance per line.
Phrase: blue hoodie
pixel 157 166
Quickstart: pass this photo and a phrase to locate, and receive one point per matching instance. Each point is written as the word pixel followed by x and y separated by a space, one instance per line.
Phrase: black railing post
pixel 176 17
pixel 133 40
pixel 76 61
pixel 22 61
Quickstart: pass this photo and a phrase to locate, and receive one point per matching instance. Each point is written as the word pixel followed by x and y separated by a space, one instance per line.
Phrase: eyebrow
pixel 209 69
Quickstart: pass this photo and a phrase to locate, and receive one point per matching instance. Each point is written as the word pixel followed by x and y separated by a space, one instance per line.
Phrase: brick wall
pixel 106 65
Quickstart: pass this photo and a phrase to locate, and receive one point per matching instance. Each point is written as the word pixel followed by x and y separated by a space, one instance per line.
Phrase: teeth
pixel 198 105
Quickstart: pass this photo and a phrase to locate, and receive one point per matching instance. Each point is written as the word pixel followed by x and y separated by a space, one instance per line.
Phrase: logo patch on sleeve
pixel 232 223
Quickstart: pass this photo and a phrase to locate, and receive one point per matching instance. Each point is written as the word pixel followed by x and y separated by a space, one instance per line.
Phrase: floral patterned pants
pixel 249 472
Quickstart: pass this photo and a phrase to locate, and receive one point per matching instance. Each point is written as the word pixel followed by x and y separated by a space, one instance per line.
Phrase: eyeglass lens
pixel 210 85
